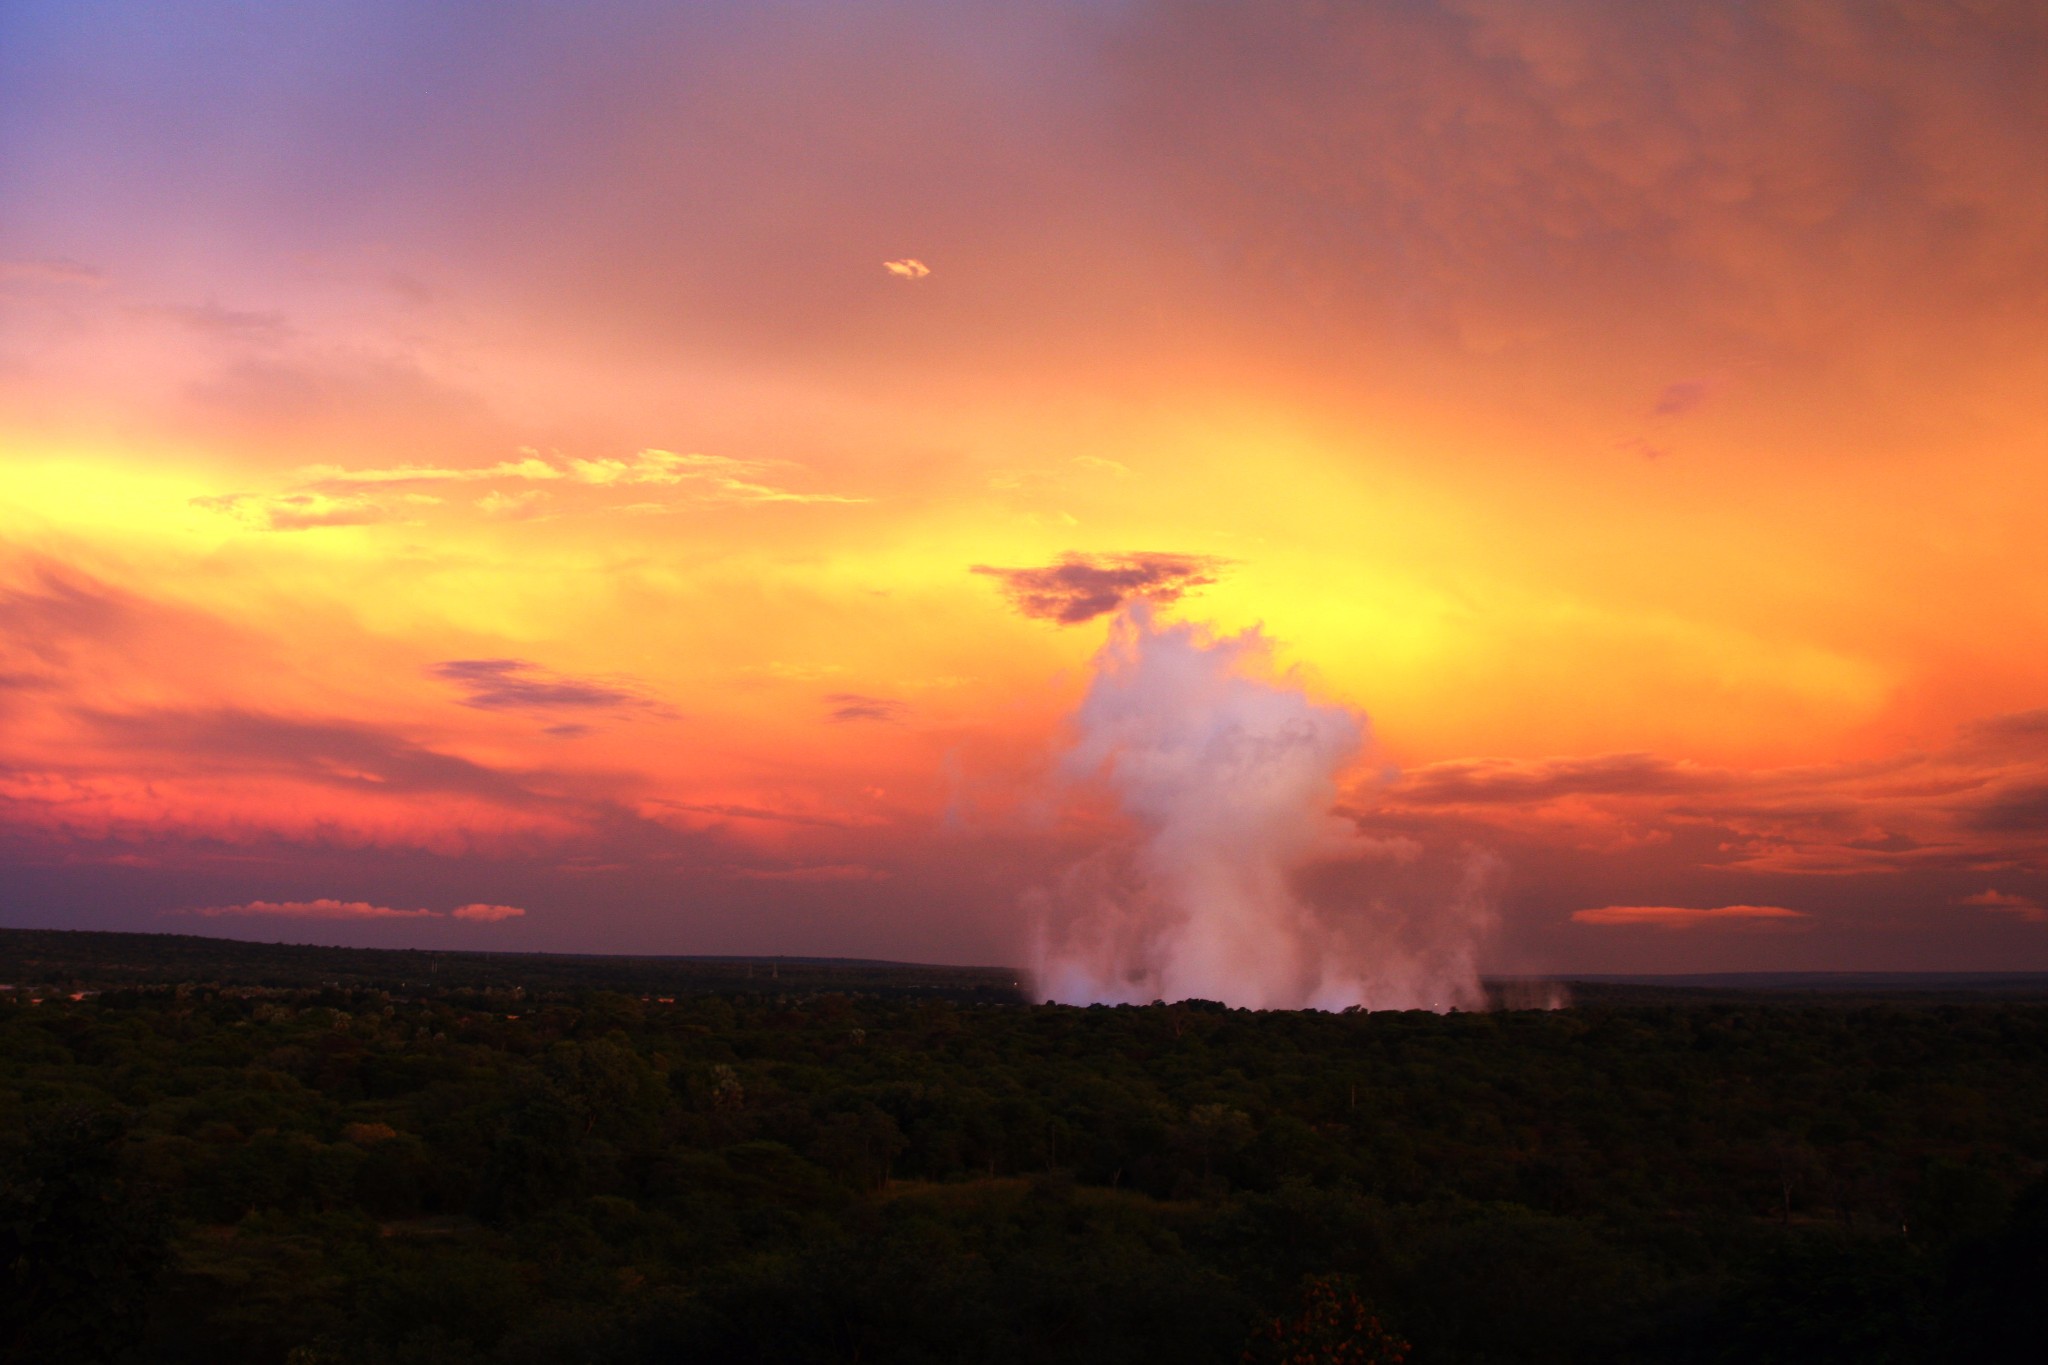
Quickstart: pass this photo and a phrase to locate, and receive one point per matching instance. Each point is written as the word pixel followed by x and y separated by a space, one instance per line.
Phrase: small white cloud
pixel 909 268
pixel 497 503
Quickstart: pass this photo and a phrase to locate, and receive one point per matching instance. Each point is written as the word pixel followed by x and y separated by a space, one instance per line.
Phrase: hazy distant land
pixel 74 959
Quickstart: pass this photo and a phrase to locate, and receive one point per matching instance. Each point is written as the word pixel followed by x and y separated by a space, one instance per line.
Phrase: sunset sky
pixel 650 477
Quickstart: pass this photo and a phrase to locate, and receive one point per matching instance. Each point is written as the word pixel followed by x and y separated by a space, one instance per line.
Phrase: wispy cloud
pixel 51 271
pixel 1077 588
pixel 339 495
pixel 210 319
pixel 1685 916
pixel 1983 797
pixel 298 511
pixel 532 467
pixel 517 685
pixel 498 503
pixel 356 758
pixel 1496 781
pixel 1682 396
pixel 2021 906
pixel 316 909
pixel 711 478
pixel 821 872
pixel 330 909
pixel 908 268
pixel 852 706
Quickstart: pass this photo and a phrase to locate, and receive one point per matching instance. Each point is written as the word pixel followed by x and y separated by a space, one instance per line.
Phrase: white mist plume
pixel 1229 780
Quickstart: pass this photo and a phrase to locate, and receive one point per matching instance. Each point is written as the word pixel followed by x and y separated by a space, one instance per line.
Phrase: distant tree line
pixel 344 1174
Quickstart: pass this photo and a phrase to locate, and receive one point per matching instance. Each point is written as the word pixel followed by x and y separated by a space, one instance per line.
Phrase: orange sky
pixel 479 457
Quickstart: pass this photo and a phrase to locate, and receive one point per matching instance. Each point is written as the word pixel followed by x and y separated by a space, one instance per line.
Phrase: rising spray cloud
pixel 1227 777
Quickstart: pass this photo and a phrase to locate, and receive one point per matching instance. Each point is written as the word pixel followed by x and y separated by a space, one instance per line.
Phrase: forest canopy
pixel 315 1155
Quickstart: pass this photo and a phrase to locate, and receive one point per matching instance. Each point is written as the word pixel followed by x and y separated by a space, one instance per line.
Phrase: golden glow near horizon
pixel 1635 415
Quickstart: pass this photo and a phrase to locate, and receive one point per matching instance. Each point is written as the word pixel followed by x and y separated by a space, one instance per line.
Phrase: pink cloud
pixel 328 908
pixel 1683 916
pixel 316 909
pixel 486 914
pixel 2010 904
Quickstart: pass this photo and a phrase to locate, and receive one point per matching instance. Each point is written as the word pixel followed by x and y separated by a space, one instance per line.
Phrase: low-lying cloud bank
pixel 326 908
pixel 1685 916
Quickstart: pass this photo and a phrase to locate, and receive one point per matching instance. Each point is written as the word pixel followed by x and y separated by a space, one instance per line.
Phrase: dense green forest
pixel 239 1152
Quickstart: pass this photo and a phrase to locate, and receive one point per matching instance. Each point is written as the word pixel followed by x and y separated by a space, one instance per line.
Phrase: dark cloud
pixel 330 753
pixel 54 619
pixel 828 872
pixel 1498 781
pixel 1875 853
pixel 1489 168
pixel 2014 727
pixel 42 617
pixel 851 706
pixel 2021 808
pixel 516 685
pixel 732 811
pixel 1080 588
pixel 1687 916
pixel 1682 397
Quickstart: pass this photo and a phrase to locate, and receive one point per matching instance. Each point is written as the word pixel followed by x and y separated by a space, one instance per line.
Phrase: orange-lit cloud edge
pixel 659 565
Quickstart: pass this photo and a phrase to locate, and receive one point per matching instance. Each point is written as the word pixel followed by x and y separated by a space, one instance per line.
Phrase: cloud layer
pixel 1685 917
pixel 537 463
